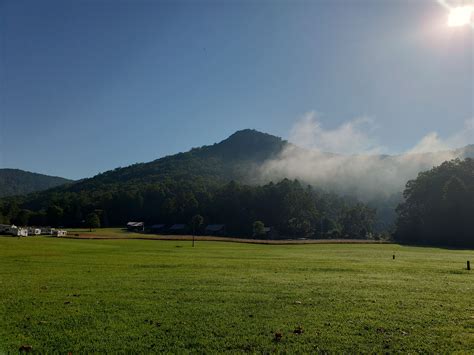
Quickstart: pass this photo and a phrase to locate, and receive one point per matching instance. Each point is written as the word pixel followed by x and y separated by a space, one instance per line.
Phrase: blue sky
pixel 87 86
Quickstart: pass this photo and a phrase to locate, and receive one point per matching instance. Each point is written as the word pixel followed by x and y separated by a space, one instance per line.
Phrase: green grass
pixel 138 295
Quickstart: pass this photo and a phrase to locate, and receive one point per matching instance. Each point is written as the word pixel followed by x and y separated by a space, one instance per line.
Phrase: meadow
pixel 70 295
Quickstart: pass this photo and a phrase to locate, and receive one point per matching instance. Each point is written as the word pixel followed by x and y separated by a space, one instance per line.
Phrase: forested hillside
pixel 222 183
pixel 439 206
pixel 201 181
pixel 19 182
pixel 231 159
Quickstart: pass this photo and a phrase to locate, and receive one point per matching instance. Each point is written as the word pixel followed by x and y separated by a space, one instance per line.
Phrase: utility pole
pixel 321 226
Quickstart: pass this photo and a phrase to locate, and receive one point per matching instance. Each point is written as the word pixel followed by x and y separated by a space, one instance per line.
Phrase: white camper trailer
pixel 60 233
pixel 18 231
pixel 34 231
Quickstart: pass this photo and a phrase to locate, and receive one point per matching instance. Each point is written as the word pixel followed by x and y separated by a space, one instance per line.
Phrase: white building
pixel 136 226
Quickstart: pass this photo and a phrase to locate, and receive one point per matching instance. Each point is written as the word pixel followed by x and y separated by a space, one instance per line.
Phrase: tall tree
pixel 357 221
pixel 92 221
pixel 258 229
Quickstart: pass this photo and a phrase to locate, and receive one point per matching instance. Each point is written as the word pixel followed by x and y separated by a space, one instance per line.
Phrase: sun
pixel 460 16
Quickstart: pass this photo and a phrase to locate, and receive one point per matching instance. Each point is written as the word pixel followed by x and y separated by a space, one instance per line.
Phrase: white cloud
pixel 429 143
pixel 349 138
pixel 432 142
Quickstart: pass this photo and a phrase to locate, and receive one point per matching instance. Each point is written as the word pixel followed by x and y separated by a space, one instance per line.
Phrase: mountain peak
pixel 250 133
pixel 249 144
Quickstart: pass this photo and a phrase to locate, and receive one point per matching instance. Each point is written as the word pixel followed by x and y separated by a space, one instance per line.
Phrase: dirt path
pixel 228 239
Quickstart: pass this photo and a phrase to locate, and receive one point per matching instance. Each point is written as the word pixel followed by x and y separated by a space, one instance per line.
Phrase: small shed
pixel 136 226
pixel 178 229
pixel 215 229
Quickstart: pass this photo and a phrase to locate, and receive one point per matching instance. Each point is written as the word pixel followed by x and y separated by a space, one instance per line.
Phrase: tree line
pixel 439 206
pixel 292 209
pixel 437 209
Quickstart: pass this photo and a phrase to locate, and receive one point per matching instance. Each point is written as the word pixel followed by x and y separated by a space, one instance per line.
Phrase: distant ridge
pixel 20 182
pixel 234 158
pixel 184 178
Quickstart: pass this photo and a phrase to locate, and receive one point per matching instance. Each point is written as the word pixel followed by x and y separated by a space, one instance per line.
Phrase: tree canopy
pixel 439 205
pixel 292 209
pixel 92 220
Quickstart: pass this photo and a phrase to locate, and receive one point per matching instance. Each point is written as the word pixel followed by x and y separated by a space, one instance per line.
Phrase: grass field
pixel 67 295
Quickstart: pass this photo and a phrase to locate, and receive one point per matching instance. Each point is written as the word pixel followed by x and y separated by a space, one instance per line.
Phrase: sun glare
pixel 460 16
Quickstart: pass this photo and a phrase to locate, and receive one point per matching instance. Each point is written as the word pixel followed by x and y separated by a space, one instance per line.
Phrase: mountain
pixel 177 184
pixel 199 170
pixel 250 156
pixel 231 159
pixel 169 189
pixel 19 182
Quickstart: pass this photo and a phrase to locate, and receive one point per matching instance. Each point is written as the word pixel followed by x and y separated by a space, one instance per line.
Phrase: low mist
pixel 348 159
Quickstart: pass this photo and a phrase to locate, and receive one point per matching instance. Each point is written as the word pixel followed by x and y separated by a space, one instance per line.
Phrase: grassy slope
pixel 108 295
